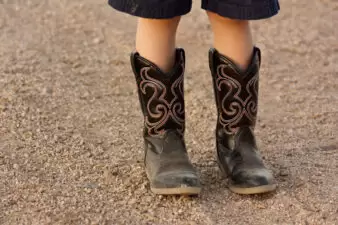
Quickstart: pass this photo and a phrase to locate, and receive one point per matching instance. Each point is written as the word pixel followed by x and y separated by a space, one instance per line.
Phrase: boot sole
pixel 253 190
pixel 250 190
pixel 177 191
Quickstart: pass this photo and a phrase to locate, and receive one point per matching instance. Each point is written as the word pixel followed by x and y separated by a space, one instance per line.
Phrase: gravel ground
pixel 70 125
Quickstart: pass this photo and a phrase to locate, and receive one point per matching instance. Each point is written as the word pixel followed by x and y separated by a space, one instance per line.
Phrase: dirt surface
pixel 70 124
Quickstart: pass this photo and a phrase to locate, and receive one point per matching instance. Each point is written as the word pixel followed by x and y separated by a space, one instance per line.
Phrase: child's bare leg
pixel 161 95
pixel 232 38
pixel 156 41
pixel 234 64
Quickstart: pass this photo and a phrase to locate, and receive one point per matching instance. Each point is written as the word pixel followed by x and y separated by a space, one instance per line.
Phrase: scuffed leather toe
pixel 252 178
pixel 176 179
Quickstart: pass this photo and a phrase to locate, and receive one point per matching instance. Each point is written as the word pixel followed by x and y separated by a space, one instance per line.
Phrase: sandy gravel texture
pixel 70 124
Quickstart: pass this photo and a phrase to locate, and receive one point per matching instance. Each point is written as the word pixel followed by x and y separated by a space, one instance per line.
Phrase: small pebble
pixel 283 172
pixel 97 41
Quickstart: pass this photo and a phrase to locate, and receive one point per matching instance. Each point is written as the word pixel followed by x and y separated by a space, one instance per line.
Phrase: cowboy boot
pixel 236 94
pixel 162 101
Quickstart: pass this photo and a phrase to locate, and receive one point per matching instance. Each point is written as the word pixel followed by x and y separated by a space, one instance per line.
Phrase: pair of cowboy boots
pixel 161 95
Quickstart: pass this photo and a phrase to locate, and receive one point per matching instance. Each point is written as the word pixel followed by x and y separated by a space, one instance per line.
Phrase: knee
pixel 215 18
